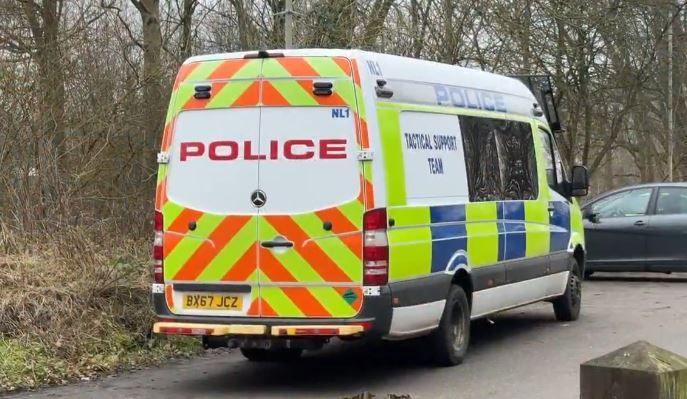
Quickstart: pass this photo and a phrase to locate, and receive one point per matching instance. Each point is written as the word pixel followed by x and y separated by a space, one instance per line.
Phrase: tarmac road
pixel 524 354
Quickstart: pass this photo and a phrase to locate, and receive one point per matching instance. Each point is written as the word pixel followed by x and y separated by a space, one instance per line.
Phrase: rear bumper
pixel 374 319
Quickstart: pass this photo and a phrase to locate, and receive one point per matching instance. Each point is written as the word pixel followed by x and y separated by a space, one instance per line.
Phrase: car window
pixel 671 201
pixel 623 204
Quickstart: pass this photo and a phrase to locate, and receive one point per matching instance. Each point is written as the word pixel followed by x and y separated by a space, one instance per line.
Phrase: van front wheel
pixel 567 307
pixel 451 339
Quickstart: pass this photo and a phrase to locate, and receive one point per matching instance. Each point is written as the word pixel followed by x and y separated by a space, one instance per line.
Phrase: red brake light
pixel 375 248
pixel 158 251
pixel 158 225
pixel 375 219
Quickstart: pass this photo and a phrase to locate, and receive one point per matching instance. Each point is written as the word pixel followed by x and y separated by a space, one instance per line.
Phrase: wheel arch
pixel 463 278
pixel 580 256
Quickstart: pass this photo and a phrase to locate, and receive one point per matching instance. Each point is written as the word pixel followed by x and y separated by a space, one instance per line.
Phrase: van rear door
pixel 210 225
pixel 309 226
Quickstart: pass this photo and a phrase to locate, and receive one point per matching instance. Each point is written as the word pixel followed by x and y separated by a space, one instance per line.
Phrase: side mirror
pixel 579 184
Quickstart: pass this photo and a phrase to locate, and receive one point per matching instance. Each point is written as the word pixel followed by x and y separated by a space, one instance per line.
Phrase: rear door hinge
pixel 163 157
pixel 365 155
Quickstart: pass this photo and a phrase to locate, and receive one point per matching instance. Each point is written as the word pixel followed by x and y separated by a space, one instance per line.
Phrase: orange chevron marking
pixel 266 309
pixel 271 96
pixel 167 135
pixel 361 195
pixel 297 67
pixel 254 309
pixel 305 301
pixel 332 100
pixel 179 226
pixel 344 64
pixel 194 103
pixel 341 225
pixel 250 97
pixel 227 69
pixel 274 270
pixel 170 242
pixel 169 296
pixel 202 257
pixel 243 267
pixel 356 73
pixel 312 253
pixel 357 304
pixel 370 194
pixel 161 194
pixel 184 71
pixel 364 136
pixel 300 297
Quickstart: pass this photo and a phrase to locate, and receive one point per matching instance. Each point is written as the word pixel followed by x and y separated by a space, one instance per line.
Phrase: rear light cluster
pixel 186 331
pixel 375 248
pixel 158 256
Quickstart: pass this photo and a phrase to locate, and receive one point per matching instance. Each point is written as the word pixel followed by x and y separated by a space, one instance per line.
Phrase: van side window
pixel 518 161
pixel 500 159
pixel 481 159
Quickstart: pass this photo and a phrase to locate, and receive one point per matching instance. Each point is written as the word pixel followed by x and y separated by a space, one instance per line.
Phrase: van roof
pixel 411 69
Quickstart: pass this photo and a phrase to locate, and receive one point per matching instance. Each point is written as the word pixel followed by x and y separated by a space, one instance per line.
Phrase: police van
pixel 305 195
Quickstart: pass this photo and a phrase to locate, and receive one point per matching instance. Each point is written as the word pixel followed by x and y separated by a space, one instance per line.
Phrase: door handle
pixel 640 223
pixel 276 244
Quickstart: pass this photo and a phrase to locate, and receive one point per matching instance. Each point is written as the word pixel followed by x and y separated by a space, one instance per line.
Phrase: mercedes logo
pixel 258 198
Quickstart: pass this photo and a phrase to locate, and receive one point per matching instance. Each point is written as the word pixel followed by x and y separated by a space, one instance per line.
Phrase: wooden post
pixel 637 371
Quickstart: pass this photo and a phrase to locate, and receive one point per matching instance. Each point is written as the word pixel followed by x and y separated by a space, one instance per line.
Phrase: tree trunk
pixel 375 22
pixel 243 21
pixel 44 22
pixel 187 12
pixel 154 97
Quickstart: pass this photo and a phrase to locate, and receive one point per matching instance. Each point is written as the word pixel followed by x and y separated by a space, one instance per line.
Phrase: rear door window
pixel 310 158
pixel 213 160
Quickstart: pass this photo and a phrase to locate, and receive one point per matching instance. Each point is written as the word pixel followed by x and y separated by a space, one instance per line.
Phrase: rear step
pixel 177 328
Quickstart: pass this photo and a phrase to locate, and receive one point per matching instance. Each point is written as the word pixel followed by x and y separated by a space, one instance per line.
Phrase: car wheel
pixel 567 306
pixel 271 355
pixel 588 273
pixel 450 341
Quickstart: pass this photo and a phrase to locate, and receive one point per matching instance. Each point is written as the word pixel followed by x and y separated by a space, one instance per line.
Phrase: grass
pixel 76 304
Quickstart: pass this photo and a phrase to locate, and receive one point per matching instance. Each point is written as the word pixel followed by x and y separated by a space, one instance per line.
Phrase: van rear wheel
pixel 271 355
pixel 450 341
pixel 567 306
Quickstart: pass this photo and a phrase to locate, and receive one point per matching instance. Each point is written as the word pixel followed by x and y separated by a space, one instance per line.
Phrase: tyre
pixel 588 273
pixel 567 306
pixel 271 355
pixel 450 341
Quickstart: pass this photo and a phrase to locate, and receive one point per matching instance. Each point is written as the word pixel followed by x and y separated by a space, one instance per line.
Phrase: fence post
pixel 637 371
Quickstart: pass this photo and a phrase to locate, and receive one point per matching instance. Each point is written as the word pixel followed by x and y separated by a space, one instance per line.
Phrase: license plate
pixel 213 301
